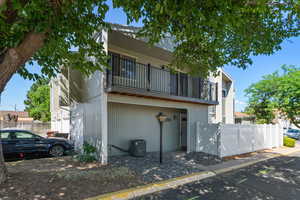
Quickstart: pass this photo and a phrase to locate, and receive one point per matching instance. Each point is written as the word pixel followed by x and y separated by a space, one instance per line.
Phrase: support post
pixel 148 76
pixel 161 142
pixel 217 99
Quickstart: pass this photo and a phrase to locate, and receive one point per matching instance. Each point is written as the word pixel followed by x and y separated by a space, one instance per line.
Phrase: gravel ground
pixel 174 164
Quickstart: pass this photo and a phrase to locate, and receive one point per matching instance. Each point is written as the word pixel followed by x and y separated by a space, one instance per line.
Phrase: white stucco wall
pixel 226 105
pixel 128 122
pixel 195 112
pixel 89 118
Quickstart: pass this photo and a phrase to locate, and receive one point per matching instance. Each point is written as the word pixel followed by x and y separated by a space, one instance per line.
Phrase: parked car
pixel 293 133
pixel 22 142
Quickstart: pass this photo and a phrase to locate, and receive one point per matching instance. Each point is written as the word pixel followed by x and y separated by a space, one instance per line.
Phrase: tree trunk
pixel 3 170
pixel 14 58
pixel 296 122
pixel 10 62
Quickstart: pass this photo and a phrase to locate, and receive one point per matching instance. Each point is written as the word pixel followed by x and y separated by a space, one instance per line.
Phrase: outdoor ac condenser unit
pixel 137 148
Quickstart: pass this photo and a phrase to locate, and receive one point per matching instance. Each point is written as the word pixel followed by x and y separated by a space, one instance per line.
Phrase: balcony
pixel 127 76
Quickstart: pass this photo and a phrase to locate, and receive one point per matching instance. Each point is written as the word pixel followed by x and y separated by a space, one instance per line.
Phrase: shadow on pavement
pixel 277 178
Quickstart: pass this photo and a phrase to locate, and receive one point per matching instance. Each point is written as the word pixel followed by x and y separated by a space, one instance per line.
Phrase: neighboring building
pixel 224 111
pixel 283 121
pixel 21 116
pixel 244 118
pixel 60 110
pixel 121 104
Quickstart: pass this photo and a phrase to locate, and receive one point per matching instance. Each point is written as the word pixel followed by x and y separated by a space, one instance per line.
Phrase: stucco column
pixel 103 103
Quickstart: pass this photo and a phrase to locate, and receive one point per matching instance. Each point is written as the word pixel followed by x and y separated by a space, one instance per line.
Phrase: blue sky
pixel 15 92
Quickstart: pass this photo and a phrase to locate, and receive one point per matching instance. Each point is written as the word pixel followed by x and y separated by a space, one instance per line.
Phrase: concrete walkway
pixel 209 171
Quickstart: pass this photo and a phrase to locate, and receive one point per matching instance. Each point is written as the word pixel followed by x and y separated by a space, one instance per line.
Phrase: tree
pixel 206 34
pixel 287 94
pixel 260 100
pixel 211 34
pixel 38 100
pixel 276 94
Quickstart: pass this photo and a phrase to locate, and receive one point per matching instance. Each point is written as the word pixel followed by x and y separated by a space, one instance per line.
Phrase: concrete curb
pixel 175 182
pixel 242 165
pixel 154 187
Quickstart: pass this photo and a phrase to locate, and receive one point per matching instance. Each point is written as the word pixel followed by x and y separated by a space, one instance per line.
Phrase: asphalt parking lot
pixel 278 178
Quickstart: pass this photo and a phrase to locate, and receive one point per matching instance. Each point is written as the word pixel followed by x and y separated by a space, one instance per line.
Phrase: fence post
pixel 270 136
pixel 281 136
pixel 265 135
pixel 253 137
pixel 216 92
pixel 239 138
pixel 276 135
pixel 219 147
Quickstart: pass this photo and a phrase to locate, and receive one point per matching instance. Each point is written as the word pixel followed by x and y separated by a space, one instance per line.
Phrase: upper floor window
pixel 224 93
pixel 123 66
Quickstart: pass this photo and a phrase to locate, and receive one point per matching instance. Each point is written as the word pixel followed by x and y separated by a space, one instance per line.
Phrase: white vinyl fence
pixel 233 139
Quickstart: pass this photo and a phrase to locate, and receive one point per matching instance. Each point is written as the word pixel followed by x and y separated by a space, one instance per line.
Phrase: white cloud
pixel 240 105
pixel 238 102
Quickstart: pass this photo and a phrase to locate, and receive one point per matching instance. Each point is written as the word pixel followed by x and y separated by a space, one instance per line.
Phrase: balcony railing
pixel 126 73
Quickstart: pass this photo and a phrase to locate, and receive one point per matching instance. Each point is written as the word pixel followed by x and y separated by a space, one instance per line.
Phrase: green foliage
pixel 289 142
pixel 206 34
pixel 88 148
pixel 288 94
pixel 276 94
pixel 69 26
pixel 38 101
pixel 261 99
pixel 210 34
pixel 88 154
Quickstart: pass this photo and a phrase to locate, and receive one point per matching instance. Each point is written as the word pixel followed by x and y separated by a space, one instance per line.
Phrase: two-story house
pixel 121 104
pixel 223 112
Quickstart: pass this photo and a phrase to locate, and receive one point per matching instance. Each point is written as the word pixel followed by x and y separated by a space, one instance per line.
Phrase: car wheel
pixel 57 151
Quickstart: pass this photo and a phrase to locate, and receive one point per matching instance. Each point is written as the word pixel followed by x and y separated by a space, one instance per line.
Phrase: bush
pixel 289 142
pixel 88 148
pixel 88 154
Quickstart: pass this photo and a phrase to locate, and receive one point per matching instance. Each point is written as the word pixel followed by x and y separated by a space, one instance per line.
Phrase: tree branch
pixel 15 58
pixel 2 2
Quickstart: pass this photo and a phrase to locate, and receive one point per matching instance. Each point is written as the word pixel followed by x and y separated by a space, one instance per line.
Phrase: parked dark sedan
pixel 21 143
pixel 293 133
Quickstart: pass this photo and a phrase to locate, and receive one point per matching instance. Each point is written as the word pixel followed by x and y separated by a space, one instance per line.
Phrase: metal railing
pixel 127 73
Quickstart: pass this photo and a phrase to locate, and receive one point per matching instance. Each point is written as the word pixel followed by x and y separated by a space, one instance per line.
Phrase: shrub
pixel 289 142
pixel 88 154
pixel 88 148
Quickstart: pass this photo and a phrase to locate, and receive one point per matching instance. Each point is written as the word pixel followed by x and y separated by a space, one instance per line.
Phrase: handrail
pixel 127 73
